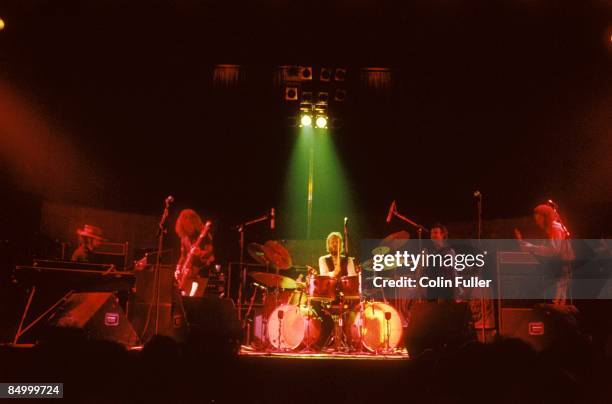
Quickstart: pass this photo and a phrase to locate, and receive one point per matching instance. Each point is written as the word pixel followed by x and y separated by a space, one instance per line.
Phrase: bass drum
pixel 273 300
pixel 378 321
pixel 295 331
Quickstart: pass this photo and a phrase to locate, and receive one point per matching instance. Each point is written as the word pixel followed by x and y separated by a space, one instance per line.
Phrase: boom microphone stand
pixel 420 228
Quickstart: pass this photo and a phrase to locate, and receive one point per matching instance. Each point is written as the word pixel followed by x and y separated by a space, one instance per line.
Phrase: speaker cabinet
pixel 542 327
pixel 150 314
pixel 98 314
pixel 214 325
pixel 438 326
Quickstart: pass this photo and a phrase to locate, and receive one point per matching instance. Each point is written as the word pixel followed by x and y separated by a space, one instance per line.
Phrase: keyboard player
pixel 90 237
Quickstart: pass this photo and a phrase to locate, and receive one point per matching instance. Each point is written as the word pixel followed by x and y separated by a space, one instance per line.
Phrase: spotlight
pixel 321 122
pixel 340 95
pixel 325 74
pixel 340 74
pixel 323 97
pixel 1 24
pixel 307 73
pixel 291 93
pixel 306 120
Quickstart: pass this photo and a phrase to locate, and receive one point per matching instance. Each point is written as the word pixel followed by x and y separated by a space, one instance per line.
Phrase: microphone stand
pixel 346 238
pixel 483 309
pixel 361 301
pixel 161 231
pixel 160 246
pixel 567 239
pixel 241 229
pixel 420 229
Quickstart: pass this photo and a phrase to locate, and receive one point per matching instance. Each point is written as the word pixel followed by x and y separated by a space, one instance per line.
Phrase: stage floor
pixel 246 351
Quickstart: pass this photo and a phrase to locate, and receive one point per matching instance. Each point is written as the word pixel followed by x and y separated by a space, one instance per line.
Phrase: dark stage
pixel 325 201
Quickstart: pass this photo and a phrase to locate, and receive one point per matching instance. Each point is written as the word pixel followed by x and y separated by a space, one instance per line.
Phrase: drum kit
pixel 319 313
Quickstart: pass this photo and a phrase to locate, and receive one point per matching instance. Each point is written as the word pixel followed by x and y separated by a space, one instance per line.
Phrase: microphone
pixel 346 236
pixel 477 194
pixel 169 200
pixel 272 218
pixel 552 204
pixel 391 211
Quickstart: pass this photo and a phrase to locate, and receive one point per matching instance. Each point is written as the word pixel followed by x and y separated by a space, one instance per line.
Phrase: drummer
pixel 336 264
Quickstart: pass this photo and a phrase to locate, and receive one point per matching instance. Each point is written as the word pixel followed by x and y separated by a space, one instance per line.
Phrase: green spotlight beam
pixel 317 194
pixel 310 187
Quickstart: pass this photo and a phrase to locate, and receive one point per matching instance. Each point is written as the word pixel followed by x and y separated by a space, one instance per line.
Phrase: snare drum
pixel 322 288
pixel 350 287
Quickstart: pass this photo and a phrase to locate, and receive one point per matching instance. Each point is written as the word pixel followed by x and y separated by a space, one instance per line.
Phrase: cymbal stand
pixel 340 344
pixel 308 348
pixel 241 229
pixel 246 316
pixel 361 326
pixel 361 317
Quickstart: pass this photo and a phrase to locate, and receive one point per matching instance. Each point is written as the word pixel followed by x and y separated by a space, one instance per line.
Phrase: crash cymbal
pixel 257 252
pixel 273 280
pixel 396 240
pixel 277 255
pixel 381 250
pixel 369 266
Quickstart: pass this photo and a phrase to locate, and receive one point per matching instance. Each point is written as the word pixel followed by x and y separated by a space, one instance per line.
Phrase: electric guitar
pixel 183 272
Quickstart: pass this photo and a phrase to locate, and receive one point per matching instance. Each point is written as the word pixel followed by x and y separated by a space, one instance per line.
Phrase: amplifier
pixel 521 282
pixel 112 253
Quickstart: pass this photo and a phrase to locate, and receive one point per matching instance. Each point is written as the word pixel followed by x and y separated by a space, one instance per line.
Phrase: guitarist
pixel 188 227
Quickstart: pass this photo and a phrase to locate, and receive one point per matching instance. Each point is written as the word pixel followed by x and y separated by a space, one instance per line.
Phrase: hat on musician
pixel 90 231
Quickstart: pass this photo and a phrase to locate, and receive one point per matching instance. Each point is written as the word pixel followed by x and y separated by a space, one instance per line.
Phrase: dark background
pixel 111 104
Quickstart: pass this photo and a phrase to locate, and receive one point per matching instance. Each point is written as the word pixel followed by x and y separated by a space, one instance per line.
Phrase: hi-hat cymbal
pixel 277 255
pixel 273 280
pixel 257 252
pixel 369 266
